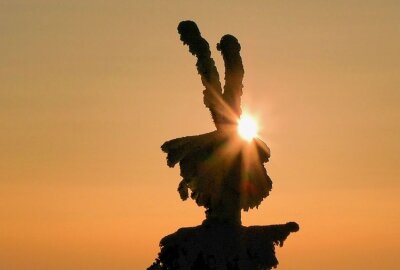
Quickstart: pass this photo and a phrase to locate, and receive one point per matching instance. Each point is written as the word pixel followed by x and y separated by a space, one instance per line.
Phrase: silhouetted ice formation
pixel 224 174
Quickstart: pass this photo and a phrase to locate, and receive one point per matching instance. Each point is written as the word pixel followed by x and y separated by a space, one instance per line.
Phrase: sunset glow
pixel 90 90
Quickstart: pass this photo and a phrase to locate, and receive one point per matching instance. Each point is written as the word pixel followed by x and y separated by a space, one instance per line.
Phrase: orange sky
pixel 91 89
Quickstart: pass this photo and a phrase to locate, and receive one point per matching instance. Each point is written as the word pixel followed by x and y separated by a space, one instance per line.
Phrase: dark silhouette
pixel 224 173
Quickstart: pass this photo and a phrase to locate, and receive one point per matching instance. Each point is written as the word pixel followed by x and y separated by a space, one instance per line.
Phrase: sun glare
pixel 247 127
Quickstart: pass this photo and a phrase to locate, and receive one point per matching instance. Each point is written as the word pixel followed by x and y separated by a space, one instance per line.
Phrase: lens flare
pixel 247 127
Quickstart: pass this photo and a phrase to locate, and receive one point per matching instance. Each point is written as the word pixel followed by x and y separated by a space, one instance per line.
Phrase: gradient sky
pixel 89 90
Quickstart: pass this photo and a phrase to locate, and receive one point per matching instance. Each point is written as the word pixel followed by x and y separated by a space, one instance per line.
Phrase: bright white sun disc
pixel 247 127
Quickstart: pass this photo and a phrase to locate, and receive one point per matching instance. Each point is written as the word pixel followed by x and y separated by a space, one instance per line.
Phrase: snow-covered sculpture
pixel 224 174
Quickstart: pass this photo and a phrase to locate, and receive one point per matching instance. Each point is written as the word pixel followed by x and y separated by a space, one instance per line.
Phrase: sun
pixel 247 127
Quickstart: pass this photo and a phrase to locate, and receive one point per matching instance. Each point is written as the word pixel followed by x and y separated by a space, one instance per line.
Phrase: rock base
pixel 222 247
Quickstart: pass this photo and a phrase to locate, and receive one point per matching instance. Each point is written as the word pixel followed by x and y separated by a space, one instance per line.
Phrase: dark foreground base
pixel 222 247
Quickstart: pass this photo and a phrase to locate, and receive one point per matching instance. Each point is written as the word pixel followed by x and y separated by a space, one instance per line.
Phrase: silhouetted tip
pixel 188 30
pixel 292 226
pixel 228 43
